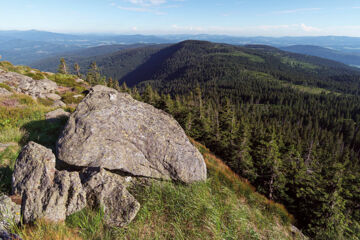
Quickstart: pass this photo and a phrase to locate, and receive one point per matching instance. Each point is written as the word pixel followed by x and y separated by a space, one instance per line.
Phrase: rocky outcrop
pixel 110 129
pixel 27 85
pixel 108 190
pixel 45 192
pixel 9 213
pixel 58 113
pixel 52 195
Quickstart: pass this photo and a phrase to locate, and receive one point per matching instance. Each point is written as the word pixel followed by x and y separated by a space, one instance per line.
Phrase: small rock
pixel 34 169
pixel 108 190
pixel 53 96
pixel 79 80
pixel 58 113
pixel 4 92
pixel 45 192
pixel 59 103
pixel 62 198
pixel 9 213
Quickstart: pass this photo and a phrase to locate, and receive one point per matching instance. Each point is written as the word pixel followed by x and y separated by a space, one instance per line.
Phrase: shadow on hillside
pixel 44 132
pixel 146 70
pixel 5 179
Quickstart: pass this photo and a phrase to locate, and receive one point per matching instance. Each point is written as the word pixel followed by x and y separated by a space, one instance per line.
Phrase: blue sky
pixel 232 17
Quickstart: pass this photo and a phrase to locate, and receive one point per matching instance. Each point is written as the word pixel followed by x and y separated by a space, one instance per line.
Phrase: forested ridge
pixel 288 123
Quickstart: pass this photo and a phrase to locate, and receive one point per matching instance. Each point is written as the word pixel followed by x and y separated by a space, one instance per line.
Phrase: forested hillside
pixel 289 123
pixel 344 57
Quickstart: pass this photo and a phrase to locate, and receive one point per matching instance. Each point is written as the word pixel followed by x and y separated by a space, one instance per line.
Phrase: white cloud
pixel 307 28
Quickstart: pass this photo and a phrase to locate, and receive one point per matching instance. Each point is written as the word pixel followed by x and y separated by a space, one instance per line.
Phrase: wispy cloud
pixel 299 10
pixel 147 6
pixel 147 3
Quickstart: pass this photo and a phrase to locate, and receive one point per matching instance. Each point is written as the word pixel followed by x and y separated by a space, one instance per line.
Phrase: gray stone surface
pixel 108 191
pixel 59 103
pixel 56 201
pixel 45 192
pixel 34 169
pixel 27 85
pixel 4 92
pixel 53 96
pixel 9 212
pixel 110 129
pixel 58 113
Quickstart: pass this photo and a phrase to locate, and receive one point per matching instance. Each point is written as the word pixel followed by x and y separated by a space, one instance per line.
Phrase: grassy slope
pixel 223 207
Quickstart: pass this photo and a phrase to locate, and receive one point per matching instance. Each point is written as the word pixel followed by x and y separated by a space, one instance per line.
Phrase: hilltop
pixel 223 206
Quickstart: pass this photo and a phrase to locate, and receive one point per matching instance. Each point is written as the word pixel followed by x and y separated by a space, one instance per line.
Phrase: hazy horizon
pixel 168 17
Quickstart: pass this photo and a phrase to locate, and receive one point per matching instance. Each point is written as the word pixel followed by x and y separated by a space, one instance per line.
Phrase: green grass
pixel 295 63
pixel 251 57
pixel 3 85
pixel 223 207
pixel 25 70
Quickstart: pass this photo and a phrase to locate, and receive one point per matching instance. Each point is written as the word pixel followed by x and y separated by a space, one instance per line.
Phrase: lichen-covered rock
pixel 110 129
pixel 59 103
pixel 45 192
pixel 27 85
pixel 34 169
pixel 64 197
pixel 9 212
pixel 58 113
pixel 108 191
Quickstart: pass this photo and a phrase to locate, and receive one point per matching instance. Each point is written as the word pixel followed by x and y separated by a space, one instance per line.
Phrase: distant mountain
pixel 36 45
pixel 189 62
pixel 344 57
pixel 116 60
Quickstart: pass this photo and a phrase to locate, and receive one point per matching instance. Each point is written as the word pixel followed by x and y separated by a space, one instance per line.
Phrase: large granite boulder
pixel 45 192
pixel 108 191
pixel 110 129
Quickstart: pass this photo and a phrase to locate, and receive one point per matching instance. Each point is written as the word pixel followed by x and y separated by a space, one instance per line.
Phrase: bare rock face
pixel 9 212
pixel 45 192
pixel 58 113
pixel 108 190
pixel 27 85
pixel 110 129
